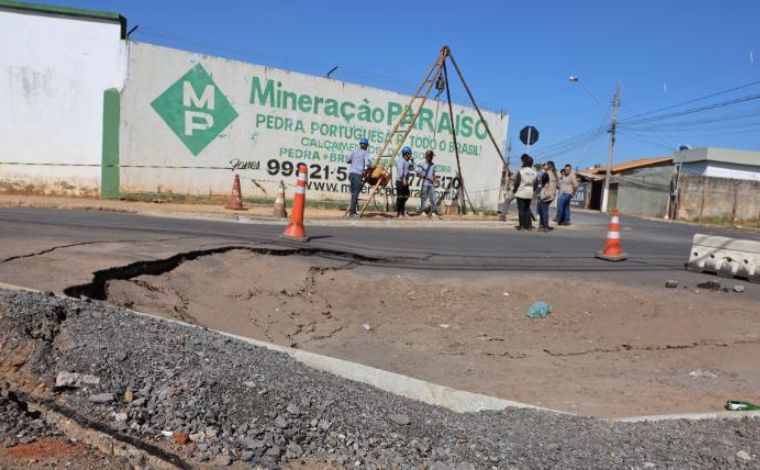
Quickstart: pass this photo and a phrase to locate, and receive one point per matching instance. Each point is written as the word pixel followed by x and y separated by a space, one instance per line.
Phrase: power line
pixel 699 109
pixel 638 138
pixel 721 125
pixel 750 129
pixel 587 139
pixel 572 141
pixel 720 121
pixel 312 66
pixel 295 63
pixel 696 100
pixel 656 122
pixel 601 126
pixel 653 131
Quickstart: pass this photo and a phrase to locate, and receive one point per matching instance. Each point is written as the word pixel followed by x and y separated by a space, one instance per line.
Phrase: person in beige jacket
pixel 546 195
pixel 568 186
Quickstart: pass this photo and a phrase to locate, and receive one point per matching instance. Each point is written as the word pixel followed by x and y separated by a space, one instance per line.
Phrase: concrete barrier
pixel 726 257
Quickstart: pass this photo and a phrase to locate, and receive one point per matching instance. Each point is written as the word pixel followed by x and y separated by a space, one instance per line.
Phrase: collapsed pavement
pixel 468 332
pixel 204 397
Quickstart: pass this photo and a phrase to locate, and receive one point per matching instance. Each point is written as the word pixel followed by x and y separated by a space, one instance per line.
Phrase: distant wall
pixel 722 170
pixel 716 200
pixel 189 122
pixel 645 191
pixel 53 72
pixel 185 123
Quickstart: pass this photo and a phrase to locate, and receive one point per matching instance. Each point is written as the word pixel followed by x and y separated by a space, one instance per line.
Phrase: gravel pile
pixel 221 401
pixel 19 425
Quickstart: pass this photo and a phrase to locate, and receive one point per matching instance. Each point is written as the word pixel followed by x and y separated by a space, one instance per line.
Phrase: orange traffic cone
pixel 236 199
pixel 295 228
pixel 613 250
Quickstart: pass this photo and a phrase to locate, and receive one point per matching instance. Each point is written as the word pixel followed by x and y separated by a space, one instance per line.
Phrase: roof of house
pixel 715 154
pixel 631 165
pixel 66 11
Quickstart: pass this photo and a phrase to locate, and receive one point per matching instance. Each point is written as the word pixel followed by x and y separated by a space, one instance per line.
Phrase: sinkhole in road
pixel 606 350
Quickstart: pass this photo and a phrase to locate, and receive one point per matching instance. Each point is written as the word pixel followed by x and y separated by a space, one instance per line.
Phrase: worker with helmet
pixel 359 161
pixel 404 170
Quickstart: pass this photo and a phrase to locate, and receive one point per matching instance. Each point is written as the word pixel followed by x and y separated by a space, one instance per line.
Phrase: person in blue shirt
pixel 426 172
pixel 359 161
pixel 404 169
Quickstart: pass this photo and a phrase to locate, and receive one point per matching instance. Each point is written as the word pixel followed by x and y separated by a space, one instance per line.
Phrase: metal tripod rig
pixel 437 76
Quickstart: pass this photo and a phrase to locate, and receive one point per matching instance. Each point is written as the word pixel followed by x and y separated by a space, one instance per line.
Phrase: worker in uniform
pixel 360 162
pixel 525 189
pixel 404 170
pixel 426 172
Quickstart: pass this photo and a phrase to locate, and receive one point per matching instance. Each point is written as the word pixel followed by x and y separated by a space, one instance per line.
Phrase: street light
pixel 612 130
pixel 577 79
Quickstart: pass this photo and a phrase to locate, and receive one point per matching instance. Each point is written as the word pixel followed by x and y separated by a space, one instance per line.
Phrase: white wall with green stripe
pixel 189 122
pixel 90 113
pixel 54 69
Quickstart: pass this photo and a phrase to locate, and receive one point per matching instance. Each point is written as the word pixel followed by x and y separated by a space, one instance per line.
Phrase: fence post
pixel 109 169
pixel 703 182
pixel 757 184
pixel 676 203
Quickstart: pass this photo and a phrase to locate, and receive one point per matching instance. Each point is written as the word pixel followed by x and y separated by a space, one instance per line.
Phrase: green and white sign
pixel 195 109
pixel 189 122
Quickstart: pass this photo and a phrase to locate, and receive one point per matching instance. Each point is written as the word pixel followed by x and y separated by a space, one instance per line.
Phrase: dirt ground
pixel 606 350
pixel 56 453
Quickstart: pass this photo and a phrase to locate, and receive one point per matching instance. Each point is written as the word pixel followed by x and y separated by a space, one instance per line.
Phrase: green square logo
pixel 195 109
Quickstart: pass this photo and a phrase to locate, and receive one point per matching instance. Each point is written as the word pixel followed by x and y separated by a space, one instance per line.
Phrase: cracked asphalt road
pixel 609 315
pixel 652 246
pixel 51 249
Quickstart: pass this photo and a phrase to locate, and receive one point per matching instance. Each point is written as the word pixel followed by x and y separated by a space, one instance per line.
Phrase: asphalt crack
pixel 72 245
pixel 50 250
pixel 182 308
pixel 667 347
pixel 507 355
pixel 96 289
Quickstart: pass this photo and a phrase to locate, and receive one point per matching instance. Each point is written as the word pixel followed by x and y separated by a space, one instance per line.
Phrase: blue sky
pixel 516 56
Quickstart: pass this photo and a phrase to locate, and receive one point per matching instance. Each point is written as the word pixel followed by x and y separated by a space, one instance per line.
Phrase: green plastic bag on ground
pixel 734 405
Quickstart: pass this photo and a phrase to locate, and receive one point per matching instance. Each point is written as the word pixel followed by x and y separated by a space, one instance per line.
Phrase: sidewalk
pixel 255 213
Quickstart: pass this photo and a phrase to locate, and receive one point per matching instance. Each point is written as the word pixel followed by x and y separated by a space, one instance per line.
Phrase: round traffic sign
pixel 528 135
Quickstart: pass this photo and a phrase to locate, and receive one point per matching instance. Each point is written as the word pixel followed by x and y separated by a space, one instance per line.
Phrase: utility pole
pixel 611 150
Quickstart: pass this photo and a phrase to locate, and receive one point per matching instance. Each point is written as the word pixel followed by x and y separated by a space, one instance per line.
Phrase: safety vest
pixel 527 181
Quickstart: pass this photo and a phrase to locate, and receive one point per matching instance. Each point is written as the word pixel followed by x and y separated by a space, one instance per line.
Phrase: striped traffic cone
pixel 236 198
pixel 279 209
pixel 613 250
pixel 295 229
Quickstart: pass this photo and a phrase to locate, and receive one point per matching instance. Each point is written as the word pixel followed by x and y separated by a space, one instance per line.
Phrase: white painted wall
pixel 53 71
pixel 155 159
pixel 722 170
